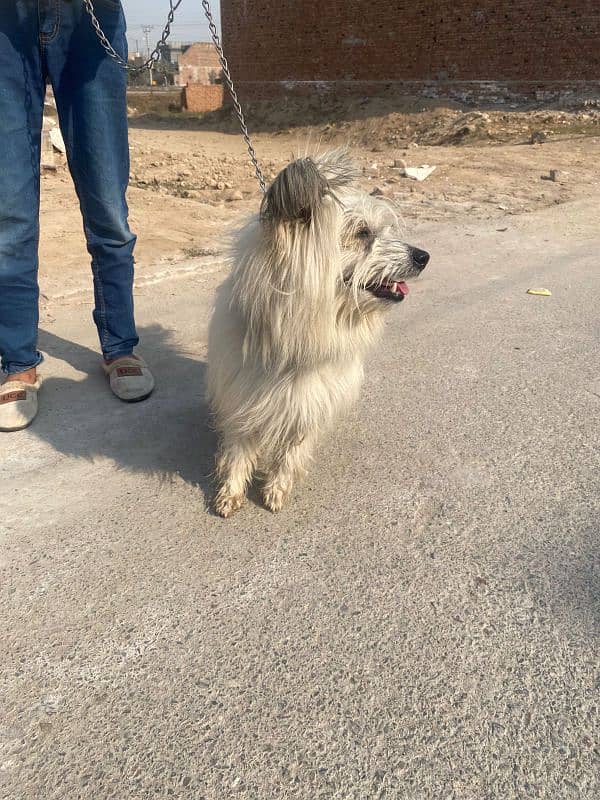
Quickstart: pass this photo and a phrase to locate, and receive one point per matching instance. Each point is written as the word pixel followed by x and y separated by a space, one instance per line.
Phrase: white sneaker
pixel 18 404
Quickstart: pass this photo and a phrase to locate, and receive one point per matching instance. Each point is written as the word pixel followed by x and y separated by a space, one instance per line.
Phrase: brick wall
pixel 199 64
pixel 199 98
pixel 277 46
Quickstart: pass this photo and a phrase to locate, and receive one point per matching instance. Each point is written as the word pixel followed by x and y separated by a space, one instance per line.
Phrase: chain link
pixel 156 56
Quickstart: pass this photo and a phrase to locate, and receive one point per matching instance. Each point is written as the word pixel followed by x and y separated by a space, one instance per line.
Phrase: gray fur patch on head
pixel 295 193
pixel 299 190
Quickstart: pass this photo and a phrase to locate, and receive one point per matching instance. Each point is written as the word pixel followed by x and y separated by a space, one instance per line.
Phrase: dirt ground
pixel 191 180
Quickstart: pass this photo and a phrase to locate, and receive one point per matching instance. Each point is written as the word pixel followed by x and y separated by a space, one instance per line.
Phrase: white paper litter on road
pixel 419 173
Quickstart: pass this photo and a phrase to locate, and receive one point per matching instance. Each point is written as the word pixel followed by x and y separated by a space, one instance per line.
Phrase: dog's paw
pixel 227 504
pixel 274 497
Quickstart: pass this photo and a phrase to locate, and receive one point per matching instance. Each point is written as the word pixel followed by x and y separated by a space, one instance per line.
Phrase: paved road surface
pixel 421 623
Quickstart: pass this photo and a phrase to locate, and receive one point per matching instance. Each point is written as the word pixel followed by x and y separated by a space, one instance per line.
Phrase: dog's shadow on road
pixel 167 435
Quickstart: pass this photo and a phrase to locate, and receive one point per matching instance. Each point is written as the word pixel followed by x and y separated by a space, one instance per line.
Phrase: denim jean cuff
pixel 14 369
pixel 117 354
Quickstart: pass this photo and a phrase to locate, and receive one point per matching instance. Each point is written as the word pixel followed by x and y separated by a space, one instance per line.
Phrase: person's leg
pixel 90 92
pixel 22 88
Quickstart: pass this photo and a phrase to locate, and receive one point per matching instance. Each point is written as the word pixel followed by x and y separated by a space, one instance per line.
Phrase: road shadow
pixel 167 435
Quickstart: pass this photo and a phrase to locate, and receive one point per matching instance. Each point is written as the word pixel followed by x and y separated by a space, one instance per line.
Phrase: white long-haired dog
pixel 312 277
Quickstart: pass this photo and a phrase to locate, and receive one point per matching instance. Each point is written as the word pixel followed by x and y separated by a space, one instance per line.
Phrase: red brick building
pixel 279 46
pixel 200 74
pixel 199 63
pixel 201 97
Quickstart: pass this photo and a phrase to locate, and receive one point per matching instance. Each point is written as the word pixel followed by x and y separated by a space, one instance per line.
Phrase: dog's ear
pixel 295 193
pixel 288 273
pixel 298 191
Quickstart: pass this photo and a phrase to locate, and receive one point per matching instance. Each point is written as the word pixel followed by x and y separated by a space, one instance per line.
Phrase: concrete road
pixel 421 623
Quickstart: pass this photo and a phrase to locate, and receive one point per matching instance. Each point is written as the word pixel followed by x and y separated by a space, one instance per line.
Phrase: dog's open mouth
pixel 389 290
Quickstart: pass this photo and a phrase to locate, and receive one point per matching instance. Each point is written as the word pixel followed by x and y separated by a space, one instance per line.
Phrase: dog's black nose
pixel 420 258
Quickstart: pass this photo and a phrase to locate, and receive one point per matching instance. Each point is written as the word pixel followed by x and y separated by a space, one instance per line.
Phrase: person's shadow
pixel 169 434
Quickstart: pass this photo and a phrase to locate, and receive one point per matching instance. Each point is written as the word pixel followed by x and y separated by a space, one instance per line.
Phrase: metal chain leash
pixel 156 55
pixel 234 98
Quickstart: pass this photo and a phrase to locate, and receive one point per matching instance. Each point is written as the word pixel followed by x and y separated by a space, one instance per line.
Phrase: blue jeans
pixel 53 41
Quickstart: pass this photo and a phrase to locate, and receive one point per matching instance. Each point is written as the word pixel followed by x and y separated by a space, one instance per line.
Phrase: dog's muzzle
pixel 397 290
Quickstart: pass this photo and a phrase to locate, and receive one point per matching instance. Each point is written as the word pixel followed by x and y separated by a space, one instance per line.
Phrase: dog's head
pixel 373 260
pixel 320 263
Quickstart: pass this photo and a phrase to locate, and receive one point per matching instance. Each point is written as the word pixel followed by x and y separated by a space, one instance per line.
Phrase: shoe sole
pixel 134 399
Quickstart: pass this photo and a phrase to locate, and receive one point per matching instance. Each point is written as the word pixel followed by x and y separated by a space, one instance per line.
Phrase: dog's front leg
pixel 235 464
pixel 290 464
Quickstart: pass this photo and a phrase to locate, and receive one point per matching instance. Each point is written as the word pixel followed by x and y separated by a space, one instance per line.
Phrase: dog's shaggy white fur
pixel 312 277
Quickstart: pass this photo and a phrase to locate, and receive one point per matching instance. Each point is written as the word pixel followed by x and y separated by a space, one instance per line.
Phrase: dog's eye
pixel 364 233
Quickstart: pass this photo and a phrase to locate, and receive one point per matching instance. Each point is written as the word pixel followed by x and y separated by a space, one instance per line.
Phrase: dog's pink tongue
pixel 400 287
